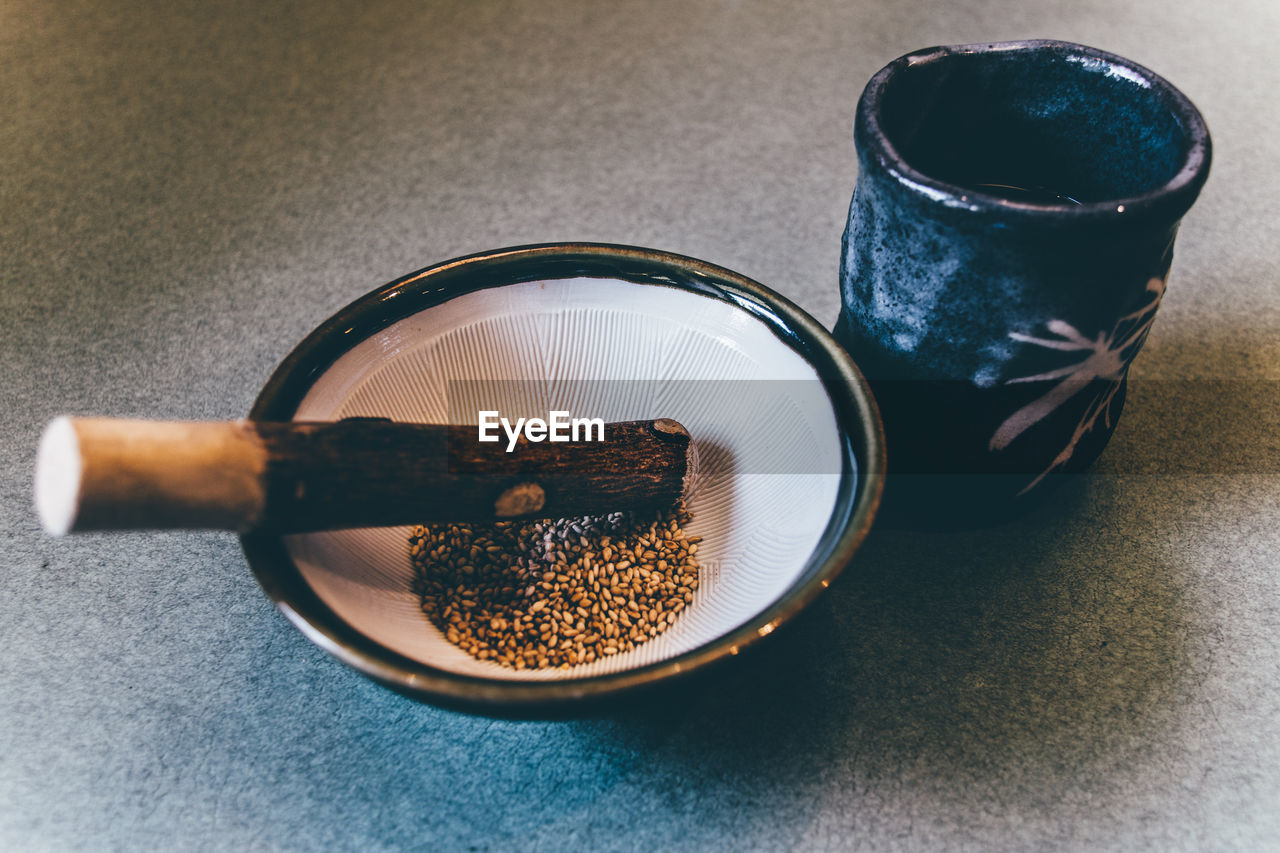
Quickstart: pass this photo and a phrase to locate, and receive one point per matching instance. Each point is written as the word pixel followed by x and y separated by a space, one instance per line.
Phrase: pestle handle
pixel 296 476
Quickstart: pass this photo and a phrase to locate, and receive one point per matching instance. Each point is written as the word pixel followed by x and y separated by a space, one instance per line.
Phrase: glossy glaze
pixel 996 325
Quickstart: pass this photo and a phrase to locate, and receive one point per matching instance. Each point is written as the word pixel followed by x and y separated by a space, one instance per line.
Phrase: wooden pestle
pixel 290 477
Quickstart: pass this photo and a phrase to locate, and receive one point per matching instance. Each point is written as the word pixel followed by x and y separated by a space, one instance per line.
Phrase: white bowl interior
pixel 765 439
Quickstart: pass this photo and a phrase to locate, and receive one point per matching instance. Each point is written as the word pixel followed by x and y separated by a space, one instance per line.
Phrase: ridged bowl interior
pixel 766 441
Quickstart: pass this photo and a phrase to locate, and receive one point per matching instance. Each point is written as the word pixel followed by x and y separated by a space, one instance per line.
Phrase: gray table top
pixel 185 191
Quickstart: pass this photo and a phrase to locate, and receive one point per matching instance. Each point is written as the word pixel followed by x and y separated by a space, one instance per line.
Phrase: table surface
pixel 185 191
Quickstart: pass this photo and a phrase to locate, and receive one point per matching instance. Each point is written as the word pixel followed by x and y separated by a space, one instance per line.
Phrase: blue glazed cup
pixel 1007 247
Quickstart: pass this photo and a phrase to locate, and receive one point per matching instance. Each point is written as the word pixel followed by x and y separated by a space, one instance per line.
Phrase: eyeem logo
pixel 559 426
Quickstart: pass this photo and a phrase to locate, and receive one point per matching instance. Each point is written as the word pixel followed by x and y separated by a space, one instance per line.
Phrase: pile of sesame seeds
pixel 538 594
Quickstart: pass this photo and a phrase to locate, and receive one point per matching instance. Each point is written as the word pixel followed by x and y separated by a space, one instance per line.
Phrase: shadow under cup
pixel 1007 248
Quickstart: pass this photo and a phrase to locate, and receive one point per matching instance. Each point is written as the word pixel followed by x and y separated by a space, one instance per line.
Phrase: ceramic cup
pixel 1007 247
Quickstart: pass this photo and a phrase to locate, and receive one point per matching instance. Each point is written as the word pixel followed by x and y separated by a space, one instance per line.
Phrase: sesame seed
pixel 610 583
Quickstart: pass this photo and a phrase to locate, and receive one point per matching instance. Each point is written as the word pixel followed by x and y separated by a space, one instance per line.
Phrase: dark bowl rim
pixel 1173 198
pixel 858 422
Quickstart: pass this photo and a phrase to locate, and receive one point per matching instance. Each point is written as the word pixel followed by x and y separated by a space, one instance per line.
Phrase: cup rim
pixel 857 417
pixel 1172 198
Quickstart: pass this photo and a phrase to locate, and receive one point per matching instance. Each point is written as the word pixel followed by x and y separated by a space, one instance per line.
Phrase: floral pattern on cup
pixel 1104 359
